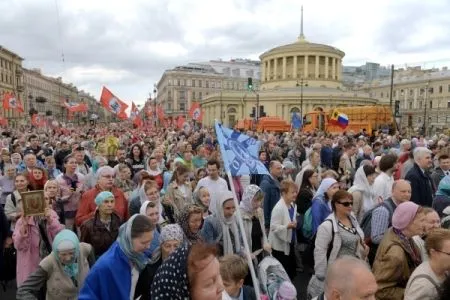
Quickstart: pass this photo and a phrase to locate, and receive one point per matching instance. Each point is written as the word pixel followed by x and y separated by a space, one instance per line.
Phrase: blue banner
pixel 240 152
pixel 296 121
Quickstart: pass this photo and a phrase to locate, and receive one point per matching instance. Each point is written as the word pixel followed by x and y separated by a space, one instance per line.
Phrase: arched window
pixel 232 110
pixel 295 110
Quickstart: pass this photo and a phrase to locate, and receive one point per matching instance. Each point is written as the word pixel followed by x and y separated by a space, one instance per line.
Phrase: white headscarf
pixel 227 225
pixel 361 184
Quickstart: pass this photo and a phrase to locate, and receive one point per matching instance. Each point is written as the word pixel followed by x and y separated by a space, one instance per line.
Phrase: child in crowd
pixel 233 270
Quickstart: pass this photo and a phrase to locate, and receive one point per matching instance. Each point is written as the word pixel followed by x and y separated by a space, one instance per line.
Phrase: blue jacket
pixel 319 212
pixel 326 157
pixel 110 277
pixel 271 190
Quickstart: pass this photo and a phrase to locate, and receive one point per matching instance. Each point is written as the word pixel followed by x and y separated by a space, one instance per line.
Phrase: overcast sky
pixel 127 45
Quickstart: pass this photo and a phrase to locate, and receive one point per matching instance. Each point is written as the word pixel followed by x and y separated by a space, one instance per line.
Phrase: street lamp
pixel 301 84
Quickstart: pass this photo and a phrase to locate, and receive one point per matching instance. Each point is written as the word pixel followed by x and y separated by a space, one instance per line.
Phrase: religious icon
pixel 33 203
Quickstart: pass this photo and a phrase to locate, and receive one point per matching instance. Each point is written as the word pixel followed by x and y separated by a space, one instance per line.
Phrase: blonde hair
pixel 233 268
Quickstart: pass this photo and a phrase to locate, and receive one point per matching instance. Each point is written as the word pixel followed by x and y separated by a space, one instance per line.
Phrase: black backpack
pixel 8 271
pixel 308 254
pixel 366 222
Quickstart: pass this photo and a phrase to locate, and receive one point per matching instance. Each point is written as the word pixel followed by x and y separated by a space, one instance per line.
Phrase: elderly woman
pixel 91 177
pixel 253 219
pixel 149 191
pixel 105 182
pixel 170 239
pixel 339 235
pixel 202 198
pixel 115 275
pixel 62 272
pixel 321 204
pixel 194 273
pixel 222 227
pixel 432 222
pixel 362 190
pixel 71 185
pixel 103 228
pixel 190 219
pixel 32 238
pixel 397 256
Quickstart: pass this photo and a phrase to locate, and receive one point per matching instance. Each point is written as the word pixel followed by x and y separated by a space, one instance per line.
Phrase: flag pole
pixel 244 238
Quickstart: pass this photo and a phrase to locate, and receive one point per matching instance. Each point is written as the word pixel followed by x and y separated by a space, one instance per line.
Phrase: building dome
pixel 284 66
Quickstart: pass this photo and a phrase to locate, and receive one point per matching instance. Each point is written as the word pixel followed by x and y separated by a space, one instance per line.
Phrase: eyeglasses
pixel 346 204
pixel 442 252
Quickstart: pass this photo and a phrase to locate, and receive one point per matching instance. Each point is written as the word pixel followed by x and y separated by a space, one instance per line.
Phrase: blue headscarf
pixel 67 240
pixel 324 186
pixel 102 196
pixel 126 244
pixel 444 187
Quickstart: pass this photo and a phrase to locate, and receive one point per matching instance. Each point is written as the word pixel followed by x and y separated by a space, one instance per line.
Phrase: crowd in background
pixel 149 214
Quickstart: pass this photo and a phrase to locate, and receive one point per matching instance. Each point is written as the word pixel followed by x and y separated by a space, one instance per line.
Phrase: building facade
pixel 11 82
pixel 423 95
pixel 181 86
pixel 295 78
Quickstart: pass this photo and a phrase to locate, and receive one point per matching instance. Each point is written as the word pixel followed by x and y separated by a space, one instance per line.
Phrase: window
pixel 178 82
pixel 188 82
pixel 183 82
pixel 170 82
pixel 182 107
pixel 431 90
pixel 193 82
pixel 448 104
pixel 410 105
pixel 440 89
pixel 431 104
pixel 381 95
pixel 206 84
pixel 448 88
pixel 199 83
pixel 213 84
pixel 411 92
pixel 395 93
pixel 193 95
pixel 420 104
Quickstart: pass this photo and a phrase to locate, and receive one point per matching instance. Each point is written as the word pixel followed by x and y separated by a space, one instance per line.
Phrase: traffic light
pixel 397 108
pixel 261 111
pixel 250 84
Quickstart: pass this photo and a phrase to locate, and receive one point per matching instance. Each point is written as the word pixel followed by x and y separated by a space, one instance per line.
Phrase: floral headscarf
pixel 183 220
pixel 247 198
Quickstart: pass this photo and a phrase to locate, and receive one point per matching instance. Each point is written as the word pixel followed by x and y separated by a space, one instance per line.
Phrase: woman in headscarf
pixel 170 239
pixel 62 272
pixel 91 177
pixel 442 199
pixel 362 190
pixel 321 204
pixel 115 275
pixel 32 237
pixel 190 219
pixel 253 218
pixel 103 228
pixel 202 198
pixel 149 191
pixel 154 170
pixel 151 210
pixel 222 227
pixel 397 256
pixel 189 273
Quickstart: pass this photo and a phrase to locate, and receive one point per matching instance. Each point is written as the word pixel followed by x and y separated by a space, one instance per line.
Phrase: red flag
pixel 12 102
pixel 160 112
pixel 180 122
pixel 113 104
pixel 38 121
pixel 134 115
pixel 196 112
pixel 3 121
pixel 149 110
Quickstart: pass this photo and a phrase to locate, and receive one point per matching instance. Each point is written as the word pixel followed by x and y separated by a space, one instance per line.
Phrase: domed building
pixel 297 77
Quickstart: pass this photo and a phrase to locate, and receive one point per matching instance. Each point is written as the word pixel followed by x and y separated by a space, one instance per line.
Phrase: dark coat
pixel 94 232
pixel 271 190
pixel 437 176
pixel 248 293
pixel 422 187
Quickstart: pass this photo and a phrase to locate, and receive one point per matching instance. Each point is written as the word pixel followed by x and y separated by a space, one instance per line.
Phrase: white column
pixel 275 77
pixel 305 68
pixel 333 68
pixel 284 68
pixel 326 67
pixel 294 71
pixel 268 69
pixel 316 75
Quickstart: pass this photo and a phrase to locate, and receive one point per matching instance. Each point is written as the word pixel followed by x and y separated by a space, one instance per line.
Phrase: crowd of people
pixel 149 213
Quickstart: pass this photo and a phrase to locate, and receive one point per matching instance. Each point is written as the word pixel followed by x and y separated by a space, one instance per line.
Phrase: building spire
pixel 301 37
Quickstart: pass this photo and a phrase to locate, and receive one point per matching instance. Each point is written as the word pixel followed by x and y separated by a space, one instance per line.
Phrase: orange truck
pixel 269 124
pixel 359 117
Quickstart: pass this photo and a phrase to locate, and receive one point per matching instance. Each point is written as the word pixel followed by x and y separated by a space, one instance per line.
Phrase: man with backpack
pixel 377 220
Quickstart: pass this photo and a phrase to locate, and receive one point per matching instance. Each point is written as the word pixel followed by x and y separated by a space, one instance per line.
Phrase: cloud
pixel 127 45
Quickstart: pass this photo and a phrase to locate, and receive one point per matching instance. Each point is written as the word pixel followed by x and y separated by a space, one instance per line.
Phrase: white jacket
pixel 280 236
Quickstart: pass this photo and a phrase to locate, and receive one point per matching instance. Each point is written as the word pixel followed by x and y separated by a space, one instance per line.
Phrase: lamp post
pixel 301 84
